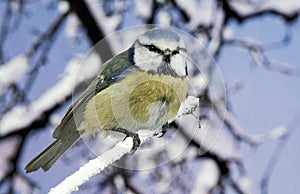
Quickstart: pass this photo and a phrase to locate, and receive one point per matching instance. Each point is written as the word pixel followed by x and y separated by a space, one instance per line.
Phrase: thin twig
pixel 257 54
pixel 49 33
pixel 46 39
pixel 275 157
pixel 4 29
pixel 233 125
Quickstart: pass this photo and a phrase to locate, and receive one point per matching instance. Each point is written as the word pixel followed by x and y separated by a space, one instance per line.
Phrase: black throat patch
pixel 166 69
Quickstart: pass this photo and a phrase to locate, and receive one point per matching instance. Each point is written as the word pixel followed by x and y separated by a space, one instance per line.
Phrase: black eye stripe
pixel 153 48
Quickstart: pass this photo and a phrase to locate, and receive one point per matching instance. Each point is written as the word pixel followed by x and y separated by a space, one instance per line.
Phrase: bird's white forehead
pixel 162 38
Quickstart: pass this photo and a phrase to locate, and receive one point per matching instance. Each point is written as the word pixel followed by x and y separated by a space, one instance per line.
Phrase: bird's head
pixel 160 51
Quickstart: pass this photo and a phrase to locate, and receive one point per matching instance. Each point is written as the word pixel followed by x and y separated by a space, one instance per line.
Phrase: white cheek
pixel 147 60
pixel 178 63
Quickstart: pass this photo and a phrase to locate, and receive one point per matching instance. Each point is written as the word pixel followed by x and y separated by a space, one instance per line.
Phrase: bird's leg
pixel 162 132
pixel 134 136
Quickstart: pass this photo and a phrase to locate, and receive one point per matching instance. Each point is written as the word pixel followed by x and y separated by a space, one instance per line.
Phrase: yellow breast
pixel 139 101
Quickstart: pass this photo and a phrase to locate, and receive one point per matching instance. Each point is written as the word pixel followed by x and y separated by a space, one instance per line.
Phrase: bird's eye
pixel 153 48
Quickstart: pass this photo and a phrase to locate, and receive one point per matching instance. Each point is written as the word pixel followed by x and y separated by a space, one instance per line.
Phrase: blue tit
pixel 140 88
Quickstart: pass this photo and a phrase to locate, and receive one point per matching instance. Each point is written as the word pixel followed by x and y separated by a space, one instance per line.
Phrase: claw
pixel 135 137
pixel 136 142
pixel 162 132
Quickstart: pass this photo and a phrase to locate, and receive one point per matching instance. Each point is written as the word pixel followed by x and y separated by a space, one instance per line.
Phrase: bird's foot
pixel 135 137
pixel 162 131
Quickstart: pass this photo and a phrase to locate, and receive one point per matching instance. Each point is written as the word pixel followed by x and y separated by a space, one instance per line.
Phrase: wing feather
pixel 109 73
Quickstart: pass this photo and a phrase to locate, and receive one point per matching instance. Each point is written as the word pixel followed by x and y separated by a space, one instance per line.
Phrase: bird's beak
pixel 167 56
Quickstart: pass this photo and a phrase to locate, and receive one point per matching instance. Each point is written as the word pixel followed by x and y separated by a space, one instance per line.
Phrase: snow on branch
pixel 208 178
pixel 108 24
pixel 237 131
pixel 246 8
pixel 13 71
pixel 276 155
pixel 257 53
pixel 8 148
pixel 95 166
pixel 56 94
pixel 192 7
pixel 189 106
pixel 142 10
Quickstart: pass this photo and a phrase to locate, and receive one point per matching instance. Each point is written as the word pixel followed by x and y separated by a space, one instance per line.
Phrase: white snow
pixel 245 184
pixel 94 166
pixel 72 25
pixel 21 185
pixel 55 119
pixel 119 182
pixel 198 83
pixel 176 148
pixel 277 132
pixel 215 42
pixel 107 24
pixel 190 104
pixel 164 18
pixel 63 6
pixel 208 175
pixel 228 33
pixel 142 8
pixel 56 94
pixel 7 151
pixel 211 136
pixel 13 71
pixel 245 8
pixel 192 7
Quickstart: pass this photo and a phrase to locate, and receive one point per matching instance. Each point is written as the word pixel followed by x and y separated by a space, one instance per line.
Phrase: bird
pixel 139 88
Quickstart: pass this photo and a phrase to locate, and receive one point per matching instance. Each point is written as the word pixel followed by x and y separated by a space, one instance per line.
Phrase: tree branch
pixel 243 10
pixel 257 53
pixel 283 140
pixel 95 34
pixel 95 166
pixel 4 29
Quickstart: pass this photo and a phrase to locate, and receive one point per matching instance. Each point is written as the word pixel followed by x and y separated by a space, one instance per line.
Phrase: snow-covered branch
pixel 13 71
pixel 237 131
pixel 275 157
pixel 247 8
pixel 257 53
pixel 96 165
pixel 53 96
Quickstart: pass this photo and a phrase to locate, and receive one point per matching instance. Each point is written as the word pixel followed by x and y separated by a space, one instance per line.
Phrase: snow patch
pixel 63 6
pixel 244 8
pixel 208 176
pixel 142 8
pixel 192 7
pixel 72 25
pixel 245 184
pixel 13 71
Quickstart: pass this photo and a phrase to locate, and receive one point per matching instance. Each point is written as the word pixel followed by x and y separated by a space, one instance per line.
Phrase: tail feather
pixel 50 155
